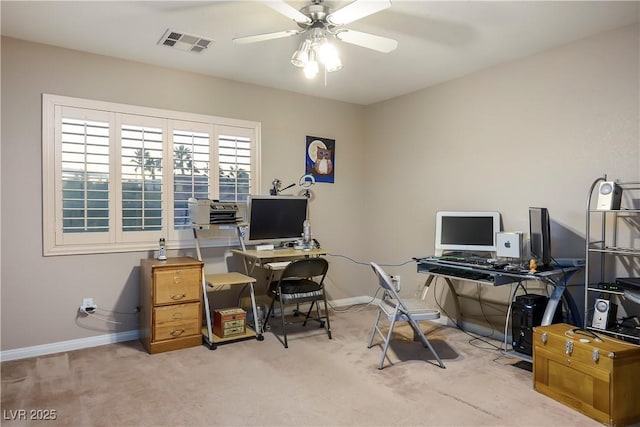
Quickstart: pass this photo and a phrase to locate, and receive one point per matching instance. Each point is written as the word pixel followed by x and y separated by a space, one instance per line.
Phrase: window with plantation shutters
pixel 117 177
pixel 141 175
pixel 84 175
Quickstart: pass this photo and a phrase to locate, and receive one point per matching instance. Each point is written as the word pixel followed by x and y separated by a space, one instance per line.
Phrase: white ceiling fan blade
pixel 357 10
pixel 266 36
pixel 370 41
pixel 289 11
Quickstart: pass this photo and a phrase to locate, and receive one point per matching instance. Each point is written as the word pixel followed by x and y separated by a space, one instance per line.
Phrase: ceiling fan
pixel 322 24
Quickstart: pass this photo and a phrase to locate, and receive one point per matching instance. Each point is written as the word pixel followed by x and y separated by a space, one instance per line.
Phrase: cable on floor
pixel 493 347
pixel 362 306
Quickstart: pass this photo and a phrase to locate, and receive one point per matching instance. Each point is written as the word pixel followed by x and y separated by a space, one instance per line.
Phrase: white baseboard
pixel 57 347
pixel 345 302
pixel 352 301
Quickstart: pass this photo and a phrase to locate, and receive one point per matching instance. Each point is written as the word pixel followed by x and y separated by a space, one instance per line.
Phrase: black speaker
pixel 526 313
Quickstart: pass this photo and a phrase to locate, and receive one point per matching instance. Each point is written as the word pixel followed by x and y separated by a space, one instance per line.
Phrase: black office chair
pixel 302 281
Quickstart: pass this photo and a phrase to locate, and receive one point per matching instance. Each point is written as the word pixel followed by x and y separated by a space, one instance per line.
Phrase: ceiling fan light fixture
pixel 311 68
pixel 329 57
pixel 301 56
pixel 322 24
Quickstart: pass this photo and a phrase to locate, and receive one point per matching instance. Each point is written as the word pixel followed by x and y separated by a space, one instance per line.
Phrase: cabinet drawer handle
pixel 177 333
pixel 177 315
pixel 178 296
pixel 568 347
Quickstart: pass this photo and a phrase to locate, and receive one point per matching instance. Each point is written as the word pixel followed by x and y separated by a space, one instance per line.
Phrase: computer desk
pixel 558 278
pixel 275 259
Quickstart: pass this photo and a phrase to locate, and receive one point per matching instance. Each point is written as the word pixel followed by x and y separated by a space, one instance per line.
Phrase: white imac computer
pixel 466 232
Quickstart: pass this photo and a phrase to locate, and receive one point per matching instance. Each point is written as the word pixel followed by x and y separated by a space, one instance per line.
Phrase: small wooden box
pixel 228 322
pixel 599 379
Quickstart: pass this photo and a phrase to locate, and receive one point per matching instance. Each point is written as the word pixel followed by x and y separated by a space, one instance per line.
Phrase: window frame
pixel 57 243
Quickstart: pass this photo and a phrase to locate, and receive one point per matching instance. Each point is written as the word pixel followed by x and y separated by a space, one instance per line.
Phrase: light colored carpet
pixel 316 382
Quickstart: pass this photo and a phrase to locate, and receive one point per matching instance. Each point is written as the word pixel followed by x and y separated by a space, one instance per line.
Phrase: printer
pixel 206 211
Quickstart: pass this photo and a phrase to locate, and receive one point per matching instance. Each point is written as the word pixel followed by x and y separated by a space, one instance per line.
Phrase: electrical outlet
pixel 396 281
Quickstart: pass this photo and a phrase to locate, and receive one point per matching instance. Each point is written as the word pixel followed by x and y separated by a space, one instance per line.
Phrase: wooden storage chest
pixel 598 377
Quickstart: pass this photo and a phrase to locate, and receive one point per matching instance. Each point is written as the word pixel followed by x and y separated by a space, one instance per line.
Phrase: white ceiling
pixel 437 40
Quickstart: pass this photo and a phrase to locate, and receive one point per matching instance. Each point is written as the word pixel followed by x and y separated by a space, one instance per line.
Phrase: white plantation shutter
pixel 192 160
pixel 85 176
pixel 82 176
pixel 116 177
pixel 141 177
pixel 235 161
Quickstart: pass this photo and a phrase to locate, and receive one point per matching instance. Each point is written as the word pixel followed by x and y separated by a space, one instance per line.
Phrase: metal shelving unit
pixel 607 255
pixel 223 281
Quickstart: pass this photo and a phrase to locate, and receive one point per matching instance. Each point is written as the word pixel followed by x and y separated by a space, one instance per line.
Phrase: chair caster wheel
pixel 260 338
pixel 322 324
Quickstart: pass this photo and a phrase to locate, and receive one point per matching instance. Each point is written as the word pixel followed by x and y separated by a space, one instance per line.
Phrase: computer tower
pixel 526 313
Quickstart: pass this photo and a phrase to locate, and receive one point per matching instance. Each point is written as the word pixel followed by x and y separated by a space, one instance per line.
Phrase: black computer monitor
pixel 540 235
pixel 275 219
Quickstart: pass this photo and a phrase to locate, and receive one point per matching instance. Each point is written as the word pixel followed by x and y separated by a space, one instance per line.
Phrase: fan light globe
pixel 329 57
pixel 335 66
pixel 313 53
pixel 311 69
pixel 301 56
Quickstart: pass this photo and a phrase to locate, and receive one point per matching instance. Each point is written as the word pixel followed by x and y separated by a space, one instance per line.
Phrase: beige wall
pixel 535 132
pixel 532 132
pixel 41 295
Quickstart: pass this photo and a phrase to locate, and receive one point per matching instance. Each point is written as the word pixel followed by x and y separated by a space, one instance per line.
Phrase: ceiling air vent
pixel 183 41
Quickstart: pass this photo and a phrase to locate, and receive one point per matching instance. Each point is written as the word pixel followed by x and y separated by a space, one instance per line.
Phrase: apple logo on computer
pixel 507 244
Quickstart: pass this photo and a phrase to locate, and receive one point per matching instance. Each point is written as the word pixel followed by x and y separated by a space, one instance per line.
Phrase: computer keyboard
pixel 471 259
pixel 467 263
pixel 463 274
pixel 278 265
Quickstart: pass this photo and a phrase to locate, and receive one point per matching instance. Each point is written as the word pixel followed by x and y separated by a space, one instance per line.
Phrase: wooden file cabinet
pixel 599 379
pixel 171 303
